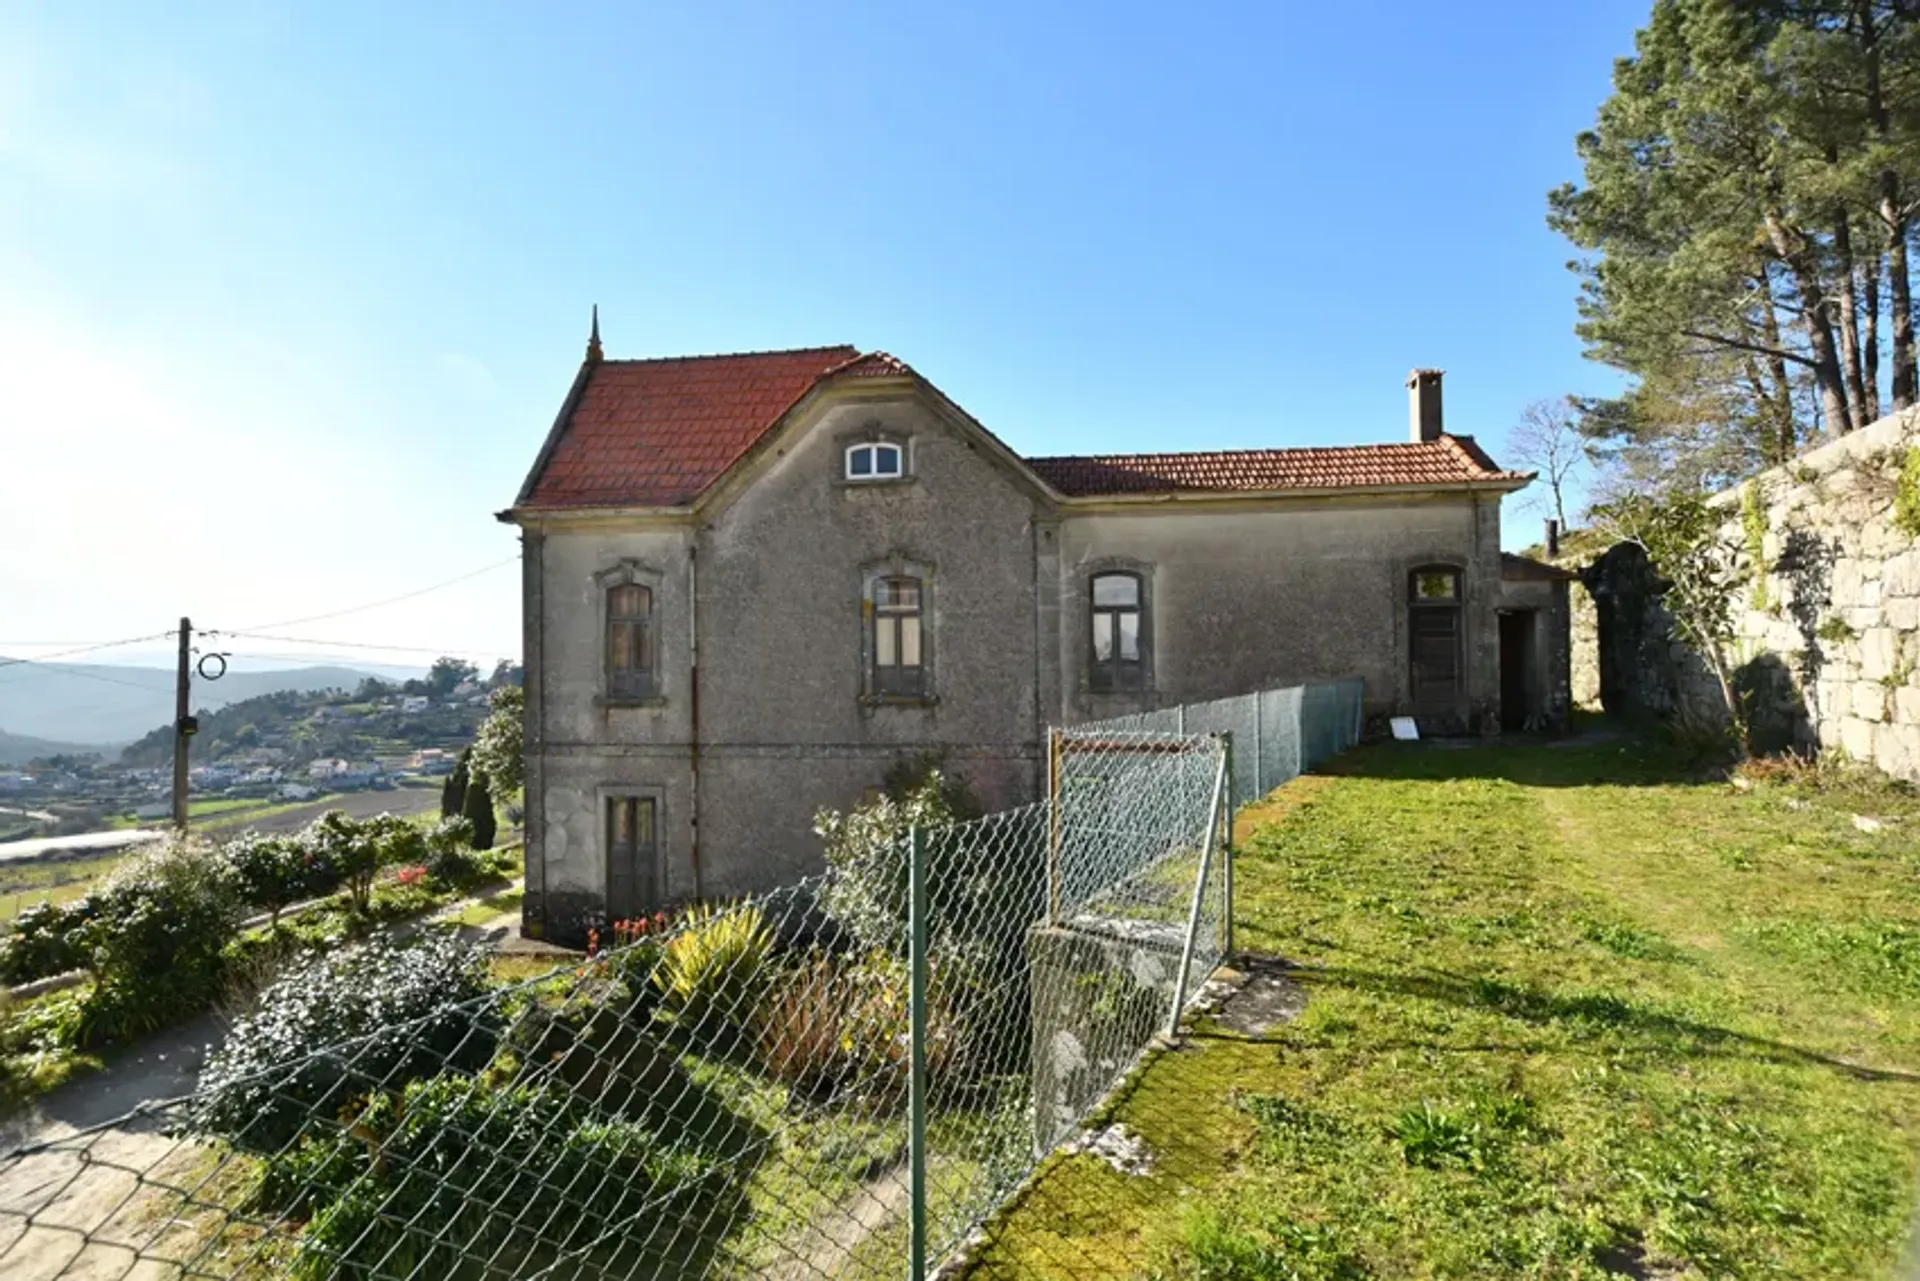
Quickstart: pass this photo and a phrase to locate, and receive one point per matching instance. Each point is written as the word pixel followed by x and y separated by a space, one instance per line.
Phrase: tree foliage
pixel 1745 216
pixel 1702 576
pixel 477 809
pixel 497 747
pixel 448 674
pixel 453 792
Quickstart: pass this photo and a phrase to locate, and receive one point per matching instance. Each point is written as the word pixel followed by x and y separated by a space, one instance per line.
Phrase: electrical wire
pixel 448 650
pixel 84 649
pixel 391 600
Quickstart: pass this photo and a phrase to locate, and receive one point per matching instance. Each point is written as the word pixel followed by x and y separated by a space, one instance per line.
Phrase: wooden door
pixel 632 857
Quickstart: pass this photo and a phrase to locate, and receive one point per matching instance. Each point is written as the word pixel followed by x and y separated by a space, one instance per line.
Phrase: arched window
pixel 1117 609
pixel 1433 632
pixel 629 641
pixel 898 646
pixel 876 460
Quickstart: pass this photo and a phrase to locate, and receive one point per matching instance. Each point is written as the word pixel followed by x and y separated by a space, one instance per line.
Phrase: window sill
pixel 899 700
pixel 630 700
pixel 877 482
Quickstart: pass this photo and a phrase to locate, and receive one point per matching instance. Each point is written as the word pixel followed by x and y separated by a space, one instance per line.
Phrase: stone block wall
pixel 1829 631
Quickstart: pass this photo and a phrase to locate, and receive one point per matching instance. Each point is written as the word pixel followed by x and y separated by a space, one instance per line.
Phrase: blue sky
pixel 292 292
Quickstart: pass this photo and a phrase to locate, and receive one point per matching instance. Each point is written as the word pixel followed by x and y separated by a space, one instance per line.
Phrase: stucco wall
pixel 775 563
pixel 1829 640
pixel 1252 599
pixel 785 724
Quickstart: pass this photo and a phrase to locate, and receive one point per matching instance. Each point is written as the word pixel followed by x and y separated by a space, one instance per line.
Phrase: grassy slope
pixel 1567 1017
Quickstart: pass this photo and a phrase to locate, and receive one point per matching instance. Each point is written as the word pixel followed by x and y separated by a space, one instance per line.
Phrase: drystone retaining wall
pixel 1829 627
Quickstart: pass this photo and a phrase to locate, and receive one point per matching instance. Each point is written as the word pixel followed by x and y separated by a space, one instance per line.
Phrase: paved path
pixel 90 1185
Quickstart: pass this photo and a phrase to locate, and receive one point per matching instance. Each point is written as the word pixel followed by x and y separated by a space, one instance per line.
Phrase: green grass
pixel 1569 1015
pixel 22 884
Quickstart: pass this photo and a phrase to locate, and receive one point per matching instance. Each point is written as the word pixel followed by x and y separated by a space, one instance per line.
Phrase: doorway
pixel 632 855
pixel 1517 703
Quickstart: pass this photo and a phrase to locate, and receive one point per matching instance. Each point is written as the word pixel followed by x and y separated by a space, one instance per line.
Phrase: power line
pixel 53 670
pixel 447 650
pixel 84 649
pixel 391 600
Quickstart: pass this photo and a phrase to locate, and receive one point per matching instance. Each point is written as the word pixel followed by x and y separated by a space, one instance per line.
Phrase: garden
pixel 166 935
pixel 723 1088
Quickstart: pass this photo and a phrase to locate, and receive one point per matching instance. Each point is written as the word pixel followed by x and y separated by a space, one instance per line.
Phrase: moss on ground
pixel 1570 1014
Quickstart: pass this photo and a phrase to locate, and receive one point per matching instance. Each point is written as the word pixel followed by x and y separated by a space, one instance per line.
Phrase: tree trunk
pixel 1791 246
pixel 1782 398
pixel 1906 379
pixel 1849 322
pixel 1870 332
pixel 1905 384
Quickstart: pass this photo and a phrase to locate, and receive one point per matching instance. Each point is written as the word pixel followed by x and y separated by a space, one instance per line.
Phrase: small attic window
pixel 875 460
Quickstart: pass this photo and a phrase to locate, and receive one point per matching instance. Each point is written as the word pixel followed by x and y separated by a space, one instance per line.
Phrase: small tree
pixel 496 750
pixel 1547 440
pixel 453 793
pixel 479 810
pixel 448 674
pixel 1702 578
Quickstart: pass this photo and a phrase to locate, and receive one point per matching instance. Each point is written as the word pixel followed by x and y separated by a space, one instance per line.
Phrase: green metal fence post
pixel 1226 842
pixel 1199 896
pixel 917 1053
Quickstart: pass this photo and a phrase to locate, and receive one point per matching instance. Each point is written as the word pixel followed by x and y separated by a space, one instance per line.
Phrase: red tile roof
pixel 655 433
pixel 1450 460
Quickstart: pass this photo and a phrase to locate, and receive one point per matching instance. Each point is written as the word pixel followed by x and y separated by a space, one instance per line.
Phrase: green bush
pixel 828 1022
pixel 274 871
pixel 417 1188
pixel 156 941
pixel 453 792
pixel 451 859
pixel 709 973
pixel 46 939
pixel 356 850
pixel 387 1014
pixel 478 810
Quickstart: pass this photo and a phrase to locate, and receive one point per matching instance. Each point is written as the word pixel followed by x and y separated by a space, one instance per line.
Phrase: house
pixel 326 768
pixel 752 583
pixel 412 704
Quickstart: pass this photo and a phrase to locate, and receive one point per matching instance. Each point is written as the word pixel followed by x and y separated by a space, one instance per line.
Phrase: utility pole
pixel 183 726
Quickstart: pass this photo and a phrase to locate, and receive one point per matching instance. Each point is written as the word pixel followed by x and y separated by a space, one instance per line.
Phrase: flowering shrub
pixel 409 1010
pixel 275 871
pixel 45 939
pixel 410 875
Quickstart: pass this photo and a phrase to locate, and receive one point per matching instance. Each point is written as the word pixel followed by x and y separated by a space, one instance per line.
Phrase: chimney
pixel 1553 538
pixel 1423 405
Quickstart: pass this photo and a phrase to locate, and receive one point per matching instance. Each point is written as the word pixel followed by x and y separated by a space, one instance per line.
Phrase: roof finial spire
pixel 594 354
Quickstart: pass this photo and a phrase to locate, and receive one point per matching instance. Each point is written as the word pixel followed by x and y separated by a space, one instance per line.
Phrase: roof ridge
pixel 732 355
pixel 1248 451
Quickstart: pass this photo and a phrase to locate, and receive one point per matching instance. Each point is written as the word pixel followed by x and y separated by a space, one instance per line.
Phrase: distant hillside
pixel 290 728
pixel 99 703
pixel 18 749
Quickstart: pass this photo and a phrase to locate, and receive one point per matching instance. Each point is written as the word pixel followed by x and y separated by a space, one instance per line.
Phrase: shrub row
pixel 193 897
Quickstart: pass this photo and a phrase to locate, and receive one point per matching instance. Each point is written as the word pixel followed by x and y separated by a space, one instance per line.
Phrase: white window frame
pixel 873 449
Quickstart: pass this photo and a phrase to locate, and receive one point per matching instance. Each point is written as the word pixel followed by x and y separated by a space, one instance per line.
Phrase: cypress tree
pixel 478 809
pixel 453 793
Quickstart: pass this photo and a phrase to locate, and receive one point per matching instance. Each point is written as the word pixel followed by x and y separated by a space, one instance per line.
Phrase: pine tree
pixel 453 793
pixel 478 810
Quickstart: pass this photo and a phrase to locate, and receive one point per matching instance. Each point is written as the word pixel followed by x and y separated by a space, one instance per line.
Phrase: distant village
pixel 278 747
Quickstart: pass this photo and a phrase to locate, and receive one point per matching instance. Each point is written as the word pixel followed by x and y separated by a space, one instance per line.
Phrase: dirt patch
pixel 1264 1001
pixel 1277 804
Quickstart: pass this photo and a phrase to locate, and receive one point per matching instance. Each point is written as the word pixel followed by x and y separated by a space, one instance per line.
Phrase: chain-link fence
pixel 844 1078
pixel 1278 734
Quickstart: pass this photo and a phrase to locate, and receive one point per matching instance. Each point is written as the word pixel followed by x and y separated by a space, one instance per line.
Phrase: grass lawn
pixel 22 884
pixel 1567 1014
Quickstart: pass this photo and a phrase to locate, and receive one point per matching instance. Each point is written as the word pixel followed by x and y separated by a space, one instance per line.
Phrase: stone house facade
pixel 753 583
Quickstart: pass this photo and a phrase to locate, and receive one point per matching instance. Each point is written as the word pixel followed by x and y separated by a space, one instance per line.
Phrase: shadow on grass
pixel 1609 757
pixel 1586 1014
